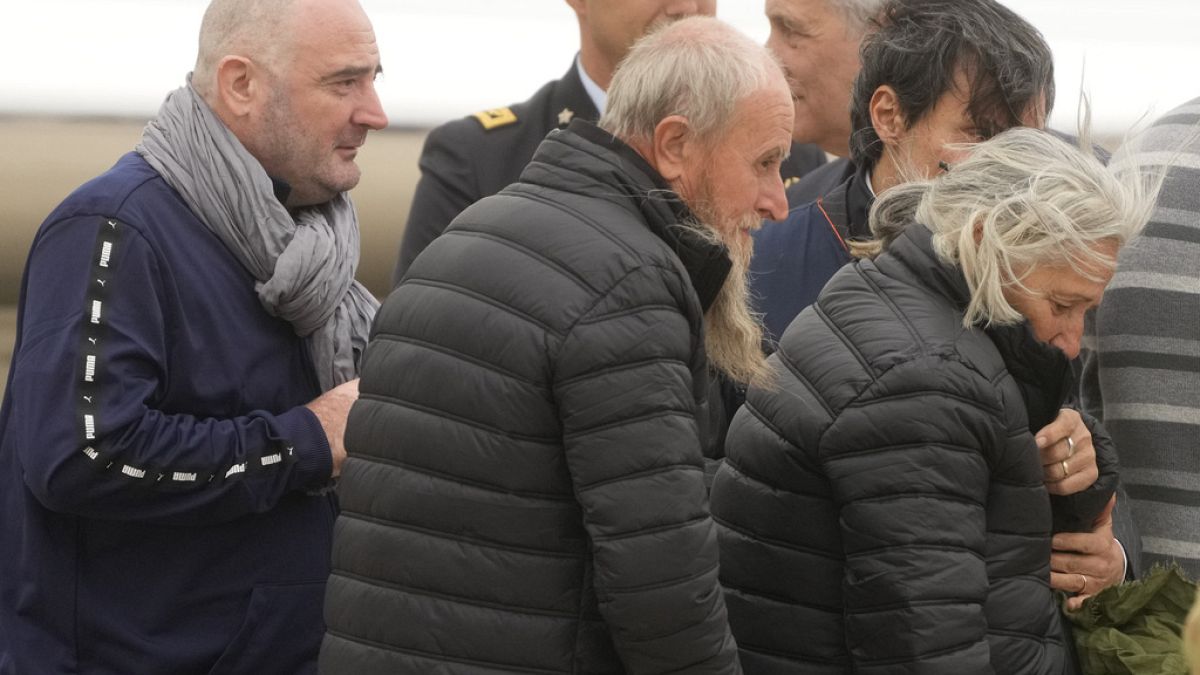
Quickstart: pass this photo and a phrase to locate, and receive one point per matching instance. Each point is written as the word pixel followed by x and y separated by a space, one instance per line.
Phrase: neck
pixel 599 68
pixel 885 174
pixel 837 148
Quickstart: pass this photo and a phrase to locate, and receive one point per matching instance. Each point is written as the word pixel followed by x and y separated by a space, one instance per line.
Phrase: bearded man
pixel 525 488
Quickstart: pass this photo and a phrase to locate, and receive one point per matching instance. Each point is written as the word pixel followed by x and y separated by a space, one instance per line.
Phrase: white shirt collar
pixel 599 96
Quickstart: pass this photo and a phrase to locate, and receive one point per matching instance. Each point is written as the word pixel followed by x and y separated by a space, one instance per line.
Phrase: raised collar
pixel 848 207
pixel 706 262
pixel 1042 371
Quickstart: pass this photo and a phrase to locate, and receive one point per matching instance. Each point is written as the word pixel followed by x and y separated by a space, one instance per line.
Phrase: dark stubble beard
pixel 733 332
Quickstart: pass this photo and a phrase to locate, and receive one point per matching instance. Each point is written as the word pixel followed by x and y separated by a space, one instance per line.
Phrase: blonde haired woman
pixel 882 508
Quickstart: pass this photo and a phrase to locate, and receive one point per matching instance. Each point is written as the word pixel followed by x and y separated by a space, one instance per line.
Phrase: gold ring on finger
pixel 1082 583
pixel 1066 471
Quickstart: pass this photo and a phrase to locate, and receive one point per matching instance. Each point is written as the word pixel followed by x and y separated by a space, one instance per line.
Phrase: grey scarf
pixel 304 267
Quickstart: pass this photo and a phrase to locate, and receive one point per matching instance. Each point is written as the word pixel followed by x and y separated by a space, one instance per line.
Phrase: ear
pixel 237 85
pixel 672 147
pixel 886 116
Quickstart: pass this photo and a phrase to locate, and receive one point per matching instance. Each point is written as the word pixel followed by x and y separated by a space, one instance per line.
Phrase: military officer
pixel 470 158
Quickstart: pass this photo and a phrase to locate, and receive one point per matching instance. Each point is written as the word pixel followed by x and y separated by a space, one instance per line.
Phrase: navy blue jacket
pixel 153 455
pixel 794 257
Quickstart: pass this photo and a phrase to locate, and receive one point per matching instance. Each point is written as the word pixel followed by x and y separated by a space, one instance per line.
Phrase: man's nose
pixel 370 113
pixel 772 200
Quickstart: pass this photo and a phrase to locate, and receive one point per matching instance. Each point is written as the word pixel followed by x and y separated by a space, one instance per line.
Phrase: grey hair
pixel 699 68
pixel 1033 200
pixel 859 15
pixel 250 28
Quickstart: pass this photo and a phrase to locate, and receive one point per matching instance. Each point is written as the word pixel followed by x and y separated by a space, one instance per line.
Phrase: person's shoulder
pixel 501 126
pixel 803 159
pixel 781 241
pixel 111 193
pixel 798 215
pixel 819 182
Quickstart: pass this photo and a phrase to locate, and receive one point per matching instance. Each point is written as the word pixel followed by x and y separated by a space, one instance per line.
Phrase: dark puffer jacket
pixel 525 489
pixel 883 510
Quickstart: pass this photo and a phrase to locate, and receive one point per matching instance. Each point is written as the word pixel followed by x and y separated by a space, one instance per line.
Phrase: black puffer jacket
pixel 525 489
pixel 883 510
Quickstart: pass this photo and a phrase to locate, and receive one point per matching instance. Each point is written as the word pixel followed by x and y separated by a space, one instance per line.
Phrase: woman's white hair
pixel 1021 200
pixel 699 68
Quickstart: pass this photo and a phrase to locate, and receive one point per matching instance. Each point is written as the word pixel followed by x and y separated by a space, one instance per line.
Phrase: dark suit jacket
pixel 473 157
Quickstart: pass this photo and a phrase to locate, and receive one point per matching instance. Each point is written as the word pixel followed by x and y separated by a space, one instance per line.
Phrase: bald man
pixel 186 357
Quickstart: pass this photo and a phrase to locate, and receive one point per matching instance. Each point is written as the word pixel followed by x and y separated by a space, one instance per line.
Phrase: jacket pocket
pixel 281 632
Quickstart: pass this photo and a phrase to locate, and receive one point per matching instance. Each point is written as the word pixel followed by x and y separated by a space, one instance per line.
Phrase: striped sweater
pixel 1142 362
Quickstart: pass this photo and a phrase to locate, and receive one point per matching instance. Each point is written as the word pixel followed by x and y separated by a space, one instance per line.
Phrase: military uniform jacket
pixel 470 158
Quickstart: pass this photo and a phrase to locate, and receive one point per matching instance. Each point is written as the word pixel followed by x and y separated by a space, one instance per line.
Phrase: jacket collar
pixel 848 207
pixel 570 96
pixel 1041 371
pixel 707 263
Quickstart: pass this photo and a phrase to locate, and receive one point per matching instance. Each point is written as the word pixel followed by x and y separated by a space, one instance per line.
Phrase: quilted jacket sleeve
pixel 910 472
pixel 863 526
pixel 625 390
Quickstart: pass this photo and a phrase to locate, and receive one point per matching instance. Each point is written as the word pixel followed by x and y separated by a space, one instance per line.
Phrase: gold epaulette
pixel 496 118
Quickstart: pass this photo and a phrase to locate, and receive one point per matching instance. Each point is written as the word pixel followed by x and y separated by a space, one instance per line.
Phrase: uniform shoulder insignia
pixel 496 117
pixel 790 181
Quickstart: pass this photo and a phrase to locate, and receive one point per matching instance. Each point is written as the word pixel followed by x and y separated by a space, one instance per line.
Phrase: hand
pixel 1088 562
pixel 331 409
pixel 1067 466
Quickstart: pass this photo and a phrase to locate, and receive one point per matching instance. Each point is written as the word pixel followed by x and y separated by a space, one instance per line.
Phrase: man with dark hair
pixel 167 450
pixel 468 159
pixel 525 489
pixel 936 73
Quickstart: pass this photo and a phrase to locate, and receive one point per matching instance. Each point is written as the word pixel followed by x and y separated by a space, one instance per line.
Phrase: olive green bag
pixel 1135 628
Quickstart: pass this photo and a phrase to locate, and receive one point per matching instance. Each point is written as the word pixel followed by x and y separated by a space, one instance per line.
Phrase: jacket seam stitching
pixel 665 412
pixel 638 474
pixel 466 229
pixel 475 361
pixel 780 599
pixel 439 657
pixel 643 531
pixel 402 403
pixel 798 548
pixel 545 496
pixel 475 541
pixel 488 300
pixel 629 365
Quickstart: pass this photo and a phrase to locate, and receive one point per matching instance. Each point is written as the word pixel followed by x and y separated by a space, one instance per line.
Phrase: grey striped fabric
pixel 1142 352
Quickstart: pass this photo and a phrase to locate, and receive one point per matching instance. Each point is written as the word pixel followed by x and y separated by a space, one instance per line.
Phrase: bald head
pixel 294 81
pixel 255 29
